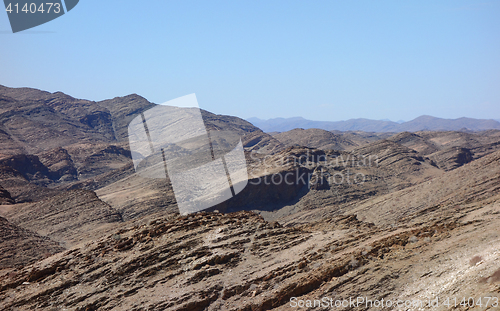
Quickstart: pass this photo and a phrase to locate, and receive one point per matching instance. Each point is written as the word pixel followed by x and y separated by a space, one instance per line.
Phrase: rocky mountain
pixel 55 120
pixel 314 138
pixel 446 149
pixel 450 149
pixel 287 124
pixel 421 123
pixel 54 140
pixel 438 124
pixel 470 186
pixel 334 214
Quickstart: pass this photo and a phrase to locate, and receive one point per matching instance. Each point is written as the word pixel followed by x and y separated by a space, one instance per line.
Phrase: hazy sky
pixel 322 60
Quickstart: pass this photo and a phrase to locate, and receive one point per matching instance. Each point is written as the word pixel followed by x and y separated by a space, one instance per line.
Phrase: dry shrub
pixel 474 260
pixel 495 277
pixel 354 262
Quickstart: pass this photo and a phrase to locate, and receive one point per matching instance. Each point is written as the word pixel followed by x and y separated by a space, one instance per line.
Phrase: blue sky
pixel 322 60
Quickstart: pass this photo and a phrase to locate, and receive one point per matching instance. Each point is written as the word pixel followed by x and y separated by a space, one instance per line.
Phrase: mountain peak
pixel 423 122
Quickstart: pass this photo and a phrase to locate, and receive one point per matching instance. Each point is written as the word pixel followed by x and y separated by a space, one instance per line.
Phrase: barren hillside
pixel 325 216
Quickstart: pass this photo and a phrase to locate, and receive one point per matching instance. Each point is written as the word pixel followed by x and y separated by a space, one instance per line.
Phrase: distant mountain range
pixel 419 124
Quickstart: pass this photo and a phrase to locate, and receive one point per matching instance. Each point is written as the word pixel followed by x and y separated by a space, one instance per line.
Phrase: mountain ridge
pixel 421 123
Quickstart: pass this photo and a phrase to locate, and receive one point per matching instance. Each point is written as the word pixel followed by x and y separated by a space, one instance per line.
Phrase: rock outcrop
pixel 5 197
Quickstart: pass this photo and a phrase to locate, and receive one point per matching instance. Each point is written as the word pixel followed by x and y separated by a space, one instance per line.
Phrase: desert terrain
pixel 403 213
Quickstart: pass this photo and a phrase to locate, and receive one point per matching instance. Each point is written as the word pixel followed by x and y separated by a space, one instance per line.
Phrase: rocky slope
pixel 418 143
pixel 68 218
pixel 19 247
pixel 449 150
pixel 338 178
pixel 20 187
pixel 259 141
pixel 211 261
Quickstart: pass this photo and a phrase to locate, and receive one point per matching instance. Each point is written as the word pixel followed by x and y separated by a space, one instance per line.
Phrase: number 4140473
pixel 33 8
pixel 471 302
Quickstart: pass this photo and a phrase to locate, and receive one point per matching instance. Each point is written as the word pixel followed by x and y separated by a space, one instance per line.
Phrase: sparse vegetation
pixel 475 260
